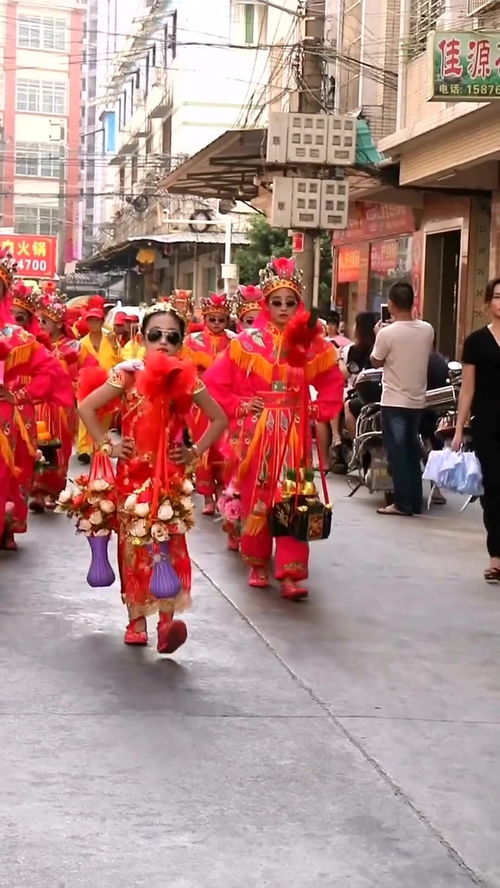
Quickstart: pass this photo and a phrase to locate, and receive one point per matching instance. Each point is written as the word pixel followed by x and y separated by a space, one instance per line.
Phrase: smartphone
pixel 386 315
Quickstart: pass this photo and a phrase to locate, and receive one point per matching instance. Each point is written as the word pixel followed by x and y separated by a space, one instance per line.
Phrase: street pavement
pixel 353 740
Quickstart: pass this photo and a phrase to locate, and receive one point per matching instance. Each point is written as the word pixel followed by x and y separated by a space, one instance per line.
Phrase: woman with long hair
pixel 480 399
pixel 357 356
pixel 156 400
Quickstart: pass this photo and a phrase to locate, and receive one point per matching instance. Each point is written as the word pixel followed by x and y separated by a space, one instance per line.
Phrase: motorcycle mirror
pixel 454 365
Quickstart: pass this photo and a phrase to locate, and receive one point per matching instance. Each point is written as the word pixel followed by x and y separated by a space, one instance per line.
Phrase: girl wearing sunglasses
pixel 162 331
pixel 202 348
pixel 259 391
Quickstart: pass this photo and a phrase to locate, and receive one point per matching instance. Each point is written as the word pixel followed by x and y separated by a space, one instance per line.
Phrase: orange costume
pixel 202 348
pixel 258 364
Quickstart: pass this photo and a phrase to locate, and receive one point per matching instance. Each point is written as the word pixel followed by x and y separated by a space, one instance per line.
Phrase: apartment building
pixel 187 73
pixel 41 60
pixel 447 152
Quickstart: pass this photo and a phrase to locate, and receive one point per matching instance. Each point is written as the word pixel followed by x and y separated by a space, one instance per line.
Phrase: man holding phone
pixel 402 348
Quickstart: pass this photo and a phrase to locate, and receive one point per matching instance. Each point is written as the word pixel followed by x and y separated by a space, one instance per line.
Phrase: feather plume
pixel 300 335
pixel 167 384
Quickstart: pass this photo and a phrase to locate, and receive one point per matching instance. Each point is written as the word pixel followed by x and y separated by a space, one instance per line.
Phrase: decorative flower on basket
pixel 91 501
pixel 174 513
pixel 229 506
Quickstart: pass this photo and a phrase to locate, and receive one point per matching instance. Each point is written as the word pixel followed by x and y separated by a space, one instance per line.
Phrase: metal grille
pixel 423 18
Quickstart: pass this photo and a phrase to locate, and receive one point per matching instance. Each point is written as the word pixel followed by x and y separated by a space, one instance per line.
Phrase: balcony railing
pixel 475 6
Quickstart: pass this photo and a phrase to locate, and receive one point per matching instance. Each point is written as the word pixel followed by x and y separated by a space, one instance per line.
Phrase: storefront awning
pixel 123 255
pixel 233 165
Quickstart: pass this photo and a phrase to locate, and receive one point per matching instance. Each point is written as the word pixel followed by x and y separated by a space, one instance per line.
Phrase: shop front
pixel 370 255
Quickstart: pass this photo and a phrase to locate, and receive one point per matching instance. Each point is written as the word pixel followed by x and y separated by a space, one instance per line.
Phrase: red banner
pixel 348 265
pixel 372 220
pixel 384 257
pixel 35 254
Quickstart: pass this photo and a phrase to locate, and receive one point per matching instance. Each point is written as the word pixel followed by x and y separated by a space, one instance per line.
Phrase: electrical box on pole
pixel 310 203
pixel 313 139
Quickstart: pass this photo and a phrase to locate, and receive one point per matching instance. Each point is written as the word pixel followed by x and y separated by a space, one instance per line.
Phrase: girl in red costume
pixel 258 384
pixel 29 376
pixel 139 455
pixel 61 423
pixel 202 348
pixel 249 307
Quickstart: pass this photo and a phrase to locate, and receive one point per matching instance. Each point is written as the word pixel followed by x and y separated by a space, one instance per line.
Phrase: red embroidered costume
pixel 202 348
pixel 61 421
pixel 29 376
pixel 256 366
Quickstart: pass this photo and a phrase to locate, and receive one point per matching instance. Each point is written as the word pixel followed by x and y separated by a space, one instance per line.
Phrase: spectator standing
pixel 480 396
pixel 333 333
pixel 403 348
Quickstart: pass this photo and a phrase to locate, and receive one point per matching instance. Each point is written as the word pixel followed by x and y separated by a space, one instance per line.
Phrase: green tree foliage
pixel 266 241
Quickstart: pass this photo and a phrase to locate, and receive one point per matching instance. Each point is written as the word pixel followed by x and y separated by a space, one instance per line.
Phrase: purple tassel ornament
pixel 100 573
pixel 164 581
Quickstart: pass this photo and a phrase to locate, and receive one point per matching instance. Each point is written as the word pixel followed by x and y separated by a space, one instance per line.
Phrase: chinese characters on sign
pixel 464 66
pixel 35 254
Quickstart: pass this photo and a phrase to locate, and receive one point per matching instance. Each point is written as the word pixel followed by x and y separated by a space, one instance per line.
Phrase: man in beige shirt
pixel 402 348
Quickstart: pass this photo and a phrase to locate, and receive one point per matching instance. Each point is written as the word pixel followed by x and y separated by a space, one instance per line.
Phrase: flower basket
pixel 91 502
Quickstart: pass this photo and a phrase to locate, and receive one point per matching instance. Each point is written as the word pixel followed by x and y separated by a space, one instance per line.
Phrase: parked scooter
pixel 369 465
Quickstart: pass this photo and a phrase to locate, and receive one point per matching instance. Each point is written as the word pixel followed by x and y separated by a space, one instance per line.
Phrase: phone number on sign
pixel 32 265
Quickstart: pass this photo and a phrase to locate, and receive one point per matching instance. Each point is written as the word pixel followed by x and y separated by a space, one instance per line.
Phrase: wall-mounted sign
pixel 463 66
pixel 35 254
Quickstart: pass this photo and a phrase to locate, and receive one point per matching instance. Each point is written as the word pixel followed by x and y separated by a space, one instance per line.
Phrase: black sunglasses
pixel 277 303
pixel 173 337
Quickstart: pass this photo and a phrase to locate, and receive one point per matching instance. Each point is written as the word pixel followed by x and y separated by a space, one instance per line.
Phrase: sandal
pixel 392 510
pixel 492 575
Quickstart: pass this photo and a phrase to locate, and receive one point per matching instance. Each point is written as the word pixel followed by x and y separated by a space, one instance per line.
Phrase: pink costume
pixel 255 366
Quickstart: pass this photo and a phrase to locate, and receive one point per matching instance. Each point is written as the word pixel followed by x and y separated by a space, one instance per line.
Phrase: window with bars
pixel 41 95
pixel 37 159
pixel 423 17
pixel 248 23
pixel 41 33
pixel 36 220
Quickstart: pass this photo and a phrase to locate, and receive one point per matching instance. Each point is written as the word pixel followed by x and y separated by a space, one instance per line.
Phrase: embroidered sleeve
pixel 115 379
pixel 199 386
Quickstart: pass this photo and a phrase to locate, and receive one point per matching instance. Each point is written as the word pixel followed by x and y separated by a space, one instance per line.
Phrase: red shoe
pixel 209 509
pixel 8 542
pixel 171 635
pixel 135 636
pixel 292 591
pixel 233 544
pixel 258 578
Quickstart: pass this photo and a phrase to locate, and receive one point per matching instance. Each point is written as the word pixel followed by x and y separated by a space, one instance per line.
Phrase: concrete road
pixel 350 741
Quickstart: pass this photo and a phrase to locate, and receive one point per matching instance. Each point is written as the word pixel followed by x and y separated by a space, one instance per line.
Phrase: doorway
pixel 442 270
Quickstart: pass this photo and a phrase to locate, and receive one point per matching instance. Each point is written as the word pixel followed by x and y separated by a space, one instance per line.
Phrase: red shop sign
pixel 373 220
pixel 384 257
pixel 348 265
pixel 35 254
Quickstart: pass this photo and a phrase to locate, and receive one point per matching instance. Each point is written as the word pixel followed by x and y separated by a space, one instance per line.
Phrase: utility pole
pixel 61 232
pixel 310 89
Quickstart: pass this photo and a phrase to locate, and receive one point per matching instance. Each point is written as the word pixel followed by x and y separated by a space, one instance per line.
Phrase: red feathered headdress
pixel 249 299
pixel 216 304
pixel 280 273
pixel 300 334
